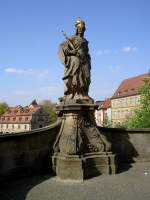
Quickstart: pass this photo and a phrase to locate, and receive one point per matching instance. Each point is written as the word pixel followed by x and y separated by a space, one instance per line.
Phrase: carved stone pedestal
pixel 99 163
pixel 81 151
pixel 69 167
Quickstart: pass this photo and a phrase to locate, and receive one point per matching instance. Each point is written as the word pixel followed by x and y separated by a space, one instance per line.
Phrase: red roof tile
pixel 130 86
pixel 19 114
pixel 106 104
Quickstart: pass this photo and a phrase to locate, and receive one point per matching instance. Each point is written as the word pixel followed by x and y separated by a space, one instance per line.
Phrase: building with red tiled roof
pixel 126 98
pixel 103 113
pixel 18 119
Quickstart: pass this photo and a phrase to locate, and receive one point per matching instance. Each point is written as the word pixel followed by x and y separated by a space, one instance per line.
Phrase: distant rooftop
pixel 130 86
pixel 104 104
pixel 19 111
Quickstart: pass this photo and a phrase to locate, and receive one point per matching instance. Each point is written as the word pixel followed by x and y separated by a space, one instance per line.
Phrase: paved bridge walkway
pixel 131 184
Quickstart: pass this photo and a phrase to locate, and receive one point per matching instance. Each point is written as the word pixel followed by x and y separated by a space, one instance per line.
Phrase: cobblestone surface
pixel 133 184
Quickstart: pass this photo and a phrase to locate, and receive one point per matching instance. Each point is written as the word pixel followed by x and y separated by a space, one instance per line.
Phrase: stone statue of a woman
pixel 74 54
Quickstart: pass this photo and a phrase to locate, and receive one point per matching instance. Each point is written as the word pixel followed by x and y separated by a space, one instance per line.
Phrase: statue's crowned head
pixel 80 26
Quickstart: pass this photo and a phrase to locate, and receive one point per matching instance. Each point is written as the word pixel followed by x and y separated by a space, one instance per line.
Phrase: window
pixel 25 126
pixel 14 118
pixel 127 113
pixel 20 118
pixel 118 115
pixel 18 125
pixel 6 125
pixel 1 125
pixel 13 126
pixel 115 115
pixel 26 118
pixel 16 111
pixel 121 114
pixel 8 119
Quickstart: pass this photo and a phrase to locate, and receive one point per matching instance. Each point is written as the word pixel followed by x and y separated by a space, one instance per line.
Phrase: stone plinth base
pixel 68 168
pixel 99 163
pixel 80 168
pixel 80 149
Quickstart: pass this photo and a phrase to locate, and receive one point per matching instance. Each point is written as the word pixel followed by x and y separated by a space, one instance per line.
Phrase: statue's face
pixel 81 28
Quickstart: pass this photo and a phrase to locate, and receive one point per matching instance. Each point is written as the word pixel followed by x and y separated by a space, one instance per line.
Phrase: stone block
pixel 69 168
pixel 102 163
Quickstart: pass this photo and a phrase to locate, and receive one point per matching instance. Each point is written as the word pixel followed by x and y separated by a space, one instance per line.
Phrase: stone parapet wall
pixel 30 152
pixel 130 145
pixel 27 152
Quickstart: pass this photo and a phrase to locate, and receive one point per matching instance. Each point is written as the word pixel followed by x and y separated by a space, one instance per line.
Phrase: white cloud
pixel 129 49
pixel 27 72
pixel 14 70
pixel 102 52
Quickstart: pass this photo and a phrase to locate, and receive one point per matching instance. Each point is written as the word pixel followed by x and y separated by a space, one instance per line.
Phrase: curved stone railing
pixel 30 152
pixel 131 145
pixel 27 152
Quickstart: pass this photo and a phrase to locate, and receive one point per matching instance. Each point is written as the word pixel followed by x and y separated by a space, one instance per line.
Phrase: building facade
pixel 19 119
pixel 126 99
pixel 103 113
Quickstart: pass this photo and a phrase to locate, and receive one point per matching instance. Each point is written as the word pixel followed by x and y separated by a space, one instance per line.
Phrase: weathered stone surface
pixel 22 154
pixel 99 163
pixel 80 149
pixel 78 133
pixel 69 167
pixel 130 145
pixel 77 167
pixel 30 152
pixel 74 54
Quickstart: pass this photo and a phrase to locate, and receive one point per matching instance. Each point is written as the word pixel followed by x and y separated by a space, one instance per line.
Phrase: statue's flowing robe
pixel 77 67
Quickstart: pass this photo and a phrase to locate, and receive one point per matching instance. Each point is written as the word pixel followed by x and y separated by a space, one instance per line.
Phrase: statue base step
pixel 74 167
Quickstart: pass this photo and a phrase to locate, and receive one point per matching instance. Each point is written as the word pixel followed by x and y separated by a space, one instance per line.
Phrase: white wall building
pixel 18 119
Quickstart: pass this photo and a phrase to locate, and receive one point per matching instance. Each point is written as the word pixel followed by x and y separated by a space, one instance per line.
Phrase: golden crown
pixel 79 21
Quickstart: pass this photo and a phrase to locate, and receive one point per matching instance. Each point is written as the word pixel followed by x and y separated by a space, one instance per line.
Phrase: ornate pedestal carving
pixel 80 150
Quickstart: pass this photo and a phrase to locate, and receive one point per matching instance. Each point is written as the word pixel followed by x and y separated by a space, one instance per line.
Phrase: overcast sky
pixel 118 32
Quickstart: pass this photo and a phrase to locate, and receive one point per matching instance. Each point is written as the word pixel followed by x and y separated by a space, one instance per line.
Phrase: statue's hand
pixel 73 52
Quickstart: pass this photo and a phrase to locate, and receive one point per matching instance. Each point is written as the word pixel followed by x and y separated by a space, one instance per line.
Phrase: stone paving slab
pixel 133 184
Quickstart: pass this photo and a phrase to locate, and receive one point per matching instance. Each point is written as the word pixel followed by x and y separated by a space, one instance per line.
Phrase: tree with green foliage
pixel 50 108
pixel 3 107
pixel 141 117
